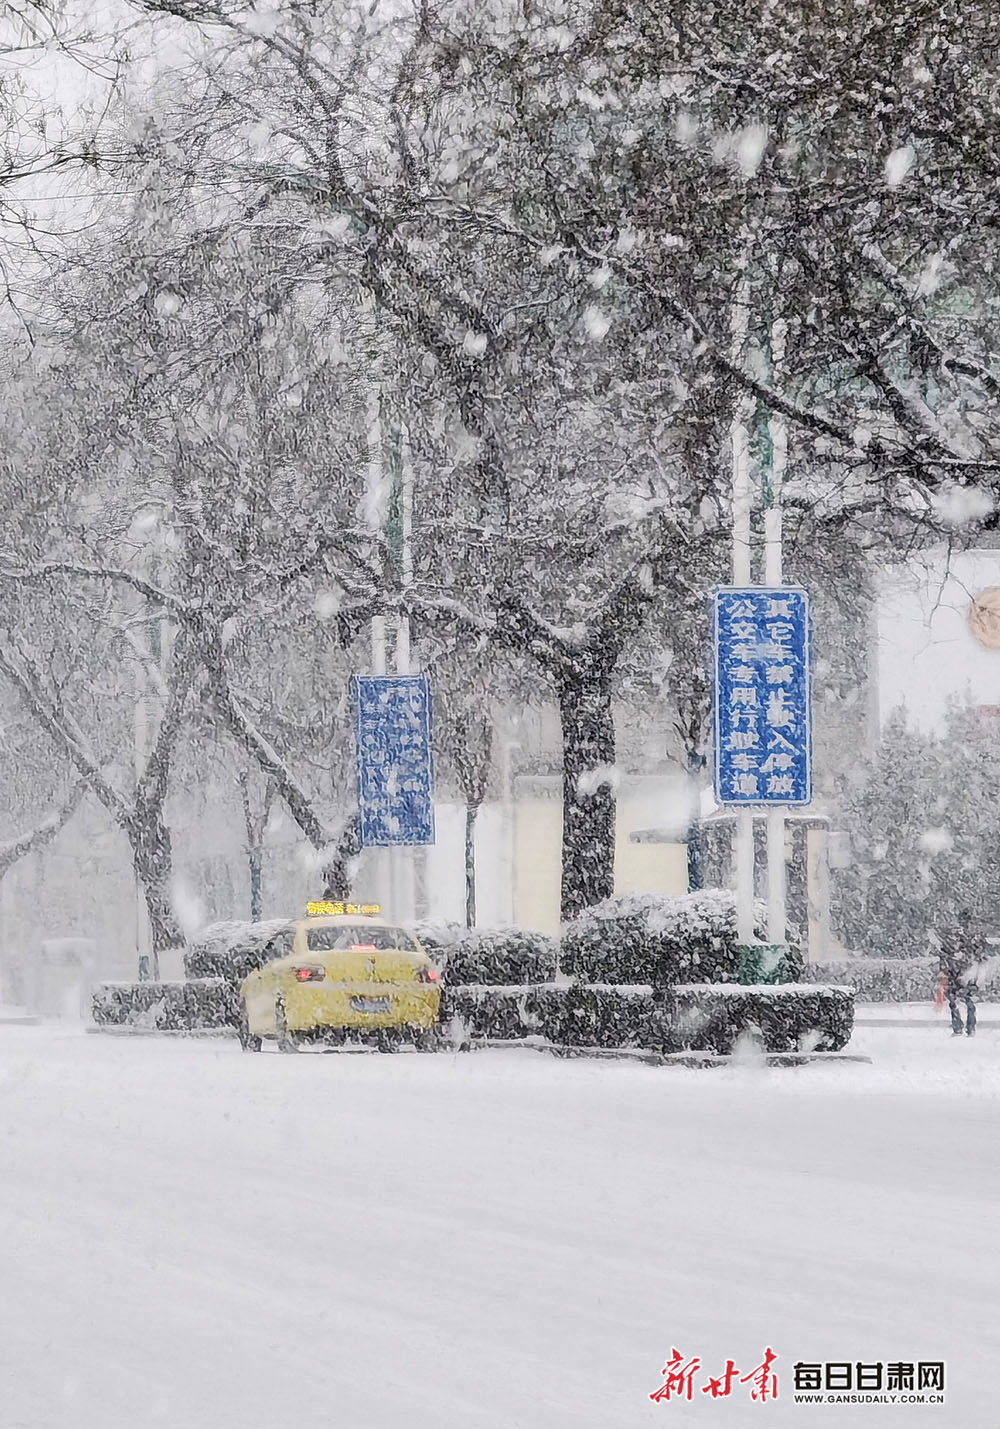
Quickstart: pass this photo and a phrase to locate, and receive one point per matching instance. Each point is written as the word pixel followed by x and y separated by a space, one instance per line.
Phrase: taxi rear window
pixel 326 940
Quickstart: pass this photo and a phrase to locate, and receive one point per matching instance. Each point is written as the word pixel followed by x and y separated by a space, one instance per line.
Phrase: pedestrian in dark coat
pixel 960 959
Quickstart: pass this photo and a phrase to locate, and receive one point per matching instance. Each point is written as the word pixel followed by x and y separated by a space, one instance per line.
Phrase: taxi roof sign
pixel 325 909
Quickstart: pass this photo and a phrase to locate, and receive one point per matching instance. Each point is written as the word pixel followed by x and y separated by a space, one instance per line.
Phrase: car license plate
pixel 371 1004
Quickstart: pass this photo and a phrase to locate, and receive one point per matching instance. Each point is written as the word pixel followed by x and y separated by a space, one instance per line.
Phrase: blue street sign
pixel 392 726
pixel 763 719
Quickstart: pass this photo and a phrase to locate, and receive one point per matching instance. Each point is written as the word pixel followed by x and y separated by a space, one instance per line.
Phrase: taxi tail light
pixel 427 974
pixel 310 974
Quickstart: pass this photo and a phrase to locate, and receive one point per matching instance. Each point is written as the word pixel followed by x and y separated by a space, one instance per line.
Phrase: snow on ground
pixel 198 1239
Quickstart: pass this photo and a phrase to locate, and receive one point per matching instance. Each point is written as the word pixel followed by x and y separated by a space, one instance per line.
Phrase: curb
pixel 675 1059
pixel 121 1029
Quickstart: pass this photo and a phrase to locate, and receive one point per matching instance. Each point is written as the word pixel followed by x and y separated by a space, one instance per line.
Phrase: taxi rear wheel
pixel 285 1039
pixel 248 1041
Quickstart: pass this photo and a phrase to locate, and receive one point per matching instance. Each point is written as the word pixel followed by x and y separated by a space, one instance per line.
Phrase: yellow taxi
pixel 341 974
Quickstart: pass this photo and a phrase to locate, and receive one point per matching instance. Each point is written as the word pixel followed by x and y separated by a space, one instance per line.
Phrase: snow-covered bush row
pixel 577 1016
pixel 700 1017
pixel 231 950
pixel 660 939
pixel 438 936
pixel 503 956
pixel 792 1017
pixel 896 979
pixel 167 1006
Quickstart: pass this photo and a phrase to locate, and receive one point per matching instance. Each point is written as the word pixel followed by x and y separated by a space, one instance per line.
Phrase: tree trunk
pixel 588 739
pixel 255 824
pixel 254 861
pixel 696 874
pixel 337 873
pixel 695 861
pixel 471 813
pixel 151 858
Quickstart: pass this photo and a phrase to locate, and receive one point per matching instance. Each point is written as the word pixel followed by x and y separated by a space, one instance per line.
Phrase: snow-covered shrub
pixel 880 979
pixel 702 1017
pixel 502 957
pixel 231 950
pixel 167 1006
pixel 485 1013
pixel 572 1016
pixel 790 1017
pixel 603 1016
pixel 435 936
pixel 659 938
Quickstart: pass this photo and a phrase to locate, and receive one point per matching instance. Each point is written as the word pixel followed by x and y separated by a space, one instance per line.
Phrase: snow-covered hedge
pixel 499 958
pixel 896 979
pixel 701 1017
pixel 169 1006
pixel 231 950
pixel 660 939
pixel 577 1016
pixel 479 1012
pixel 789 1017
pixel 437 936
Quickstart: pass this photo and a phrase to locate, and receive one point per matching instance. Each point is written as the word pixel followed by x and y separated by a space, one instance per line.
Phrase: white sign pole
pixel 403 881
pixel 742 576
pixel 778 431
pixel 375 513
pixel 375 510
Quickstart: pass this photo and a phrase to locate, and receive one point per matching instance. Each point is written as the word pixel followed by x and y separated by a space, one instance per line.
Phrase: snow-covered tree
pixel 924 825
pixel 171 489
pixel 556 208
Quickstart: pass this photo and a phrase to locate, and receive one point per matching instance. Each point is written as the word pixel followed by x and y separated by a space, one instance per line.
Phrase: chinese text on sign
pixel 762 710
pixel 395 773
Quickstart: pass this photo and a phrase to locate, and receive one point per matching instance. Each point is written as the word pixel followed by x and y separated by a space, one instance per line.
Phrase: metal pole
pixel 776 875
pixel 374 513
pixel 402 858
pixel 405 554
pixel 744 876
pixel 740 437
pixel 742 488
pixel 778 432
pixel 773 576
pixel 507 747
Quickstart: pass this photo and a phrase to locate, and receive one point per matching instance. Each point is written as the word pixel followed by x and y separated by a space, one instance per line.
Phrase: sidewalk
pixel 919 1014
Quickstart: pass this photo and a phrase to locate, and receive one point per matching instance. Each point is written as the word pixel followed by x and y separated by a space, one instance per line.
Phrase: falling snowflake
pixel 750 145
pixel 898 165
pixel 597 322
pixel 937 840
pixel 474 343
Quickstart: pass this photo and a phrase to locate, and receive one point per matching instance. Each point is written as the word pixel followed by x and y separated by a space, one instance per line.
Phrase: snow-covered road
pixel 198 1239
